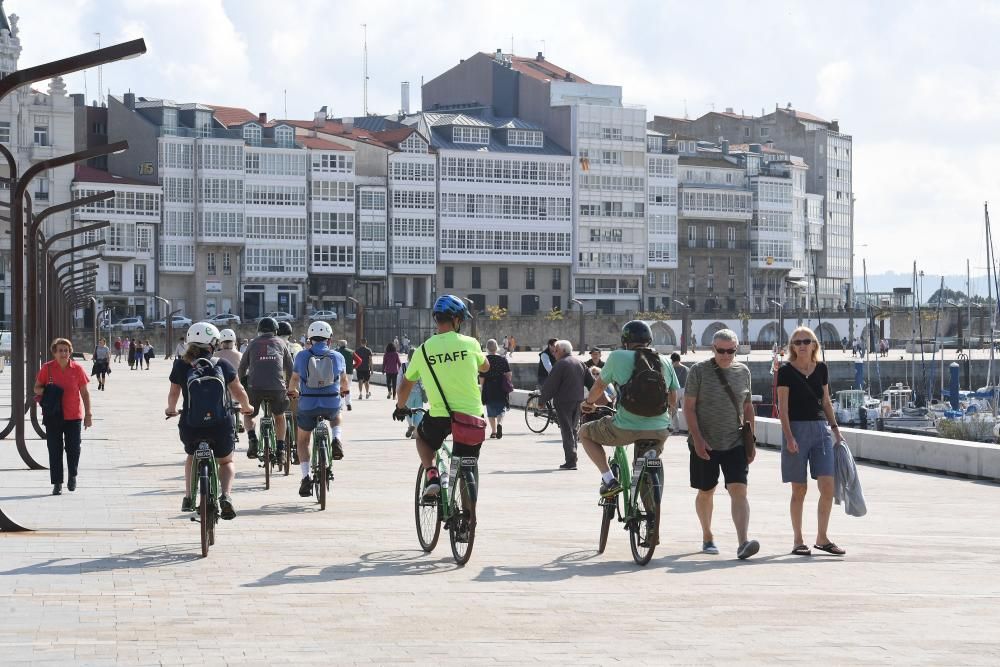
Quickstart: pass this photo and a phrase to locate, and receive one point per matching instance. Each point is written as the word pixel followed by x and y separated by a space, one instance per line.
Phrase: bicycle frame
pixel 203 455
pixel 630 476
pixel 320 438
pixel 267 426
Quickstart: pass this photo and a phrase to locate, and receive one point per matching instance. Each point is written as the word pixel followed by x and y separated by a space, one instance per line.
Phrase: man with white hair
pixel 564 386
pixel 717 401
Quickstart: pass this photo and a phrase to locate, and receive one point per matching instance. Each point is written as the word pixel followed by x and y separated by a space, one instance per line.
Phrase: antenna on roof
pixel 100 76
pixel 364 27
pixel 285 92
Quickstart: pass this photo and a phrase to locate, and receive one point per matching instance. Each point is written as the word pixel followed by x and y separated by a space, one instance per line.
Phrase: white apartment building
pixel 661 222
pixel 34 126
pixel 126 272
pixel 412 182
pixel 505 212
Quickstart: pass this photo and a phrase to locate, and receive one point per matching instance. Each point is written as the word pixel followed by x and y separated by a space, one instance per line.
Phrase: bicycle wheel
pixel 204 511
pixel 644 527
pixel 323 482
pixel 536 415
pixel 609 507
pixel 268 455
pixel 462 529
pixel 290 442
pixel 427 514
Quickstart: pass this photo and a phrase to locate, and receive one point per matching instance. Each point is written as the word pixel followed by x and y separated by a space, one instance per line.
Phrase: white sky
pixel 916 83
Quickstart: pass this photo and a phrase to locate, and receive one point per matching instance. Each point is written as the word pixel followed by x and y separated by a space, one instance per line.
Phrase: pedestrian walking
pixel 406 345
pixel 717 402
pixel 148 351
pixel 512 344
pixel 565 387
pixel 363 369
pixel 102 363
pixel 127 351
pixel 681 371
pixel 390 366
pixel 497 384
pixel 506 346
pixel 180 348
pixel 118 349
pixel 61 386
pixel 809 430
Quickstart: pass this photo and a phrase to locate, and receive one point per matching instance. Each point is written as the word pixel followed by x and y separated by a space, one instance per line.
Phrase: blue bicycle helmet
pixel 451 305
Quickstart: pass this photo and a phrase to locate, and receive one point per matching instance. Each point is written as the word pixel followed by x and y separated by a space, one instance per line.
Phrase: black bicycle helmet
pixel 284 329
pixel 636 332
pixel 267 325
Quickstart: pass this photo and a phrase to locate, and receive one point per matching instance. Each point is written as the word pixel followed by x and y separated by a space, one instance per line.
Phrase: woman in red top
pixel 65 433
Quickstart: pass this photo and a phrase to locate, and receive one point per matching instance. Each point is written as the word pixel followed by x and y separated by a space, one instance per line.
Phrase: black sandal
pixel 830 548
pixel 802 550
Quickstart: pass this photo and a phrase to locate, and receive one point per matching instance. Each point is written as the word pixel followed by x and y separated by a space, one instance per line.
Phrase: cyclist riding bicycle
pixel 643 388
pixel 202 339
pixel 228 351
pixel 265 365
pixel 456 361
pixel 285 331
pixel 324 383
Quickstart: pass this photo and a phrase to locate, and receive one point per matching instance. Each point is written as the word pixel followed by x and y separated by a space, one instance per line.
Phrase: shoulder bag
pixel 746 428
pixel 465 428
pixel 51 401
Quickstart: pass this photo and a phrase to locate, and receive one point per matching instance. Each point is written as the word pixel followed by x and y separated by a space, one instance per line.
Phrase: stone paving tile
pixel 113 573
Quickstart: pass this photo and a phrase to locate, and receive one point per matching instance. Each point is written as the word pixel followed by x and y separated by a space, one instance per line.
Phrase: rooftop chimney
pixel 539 56
pixel 725 146
pixel 129 99
pixel 319 118
pixel 348 123
pixel 404 97
pixel 262 117
pixel 729 110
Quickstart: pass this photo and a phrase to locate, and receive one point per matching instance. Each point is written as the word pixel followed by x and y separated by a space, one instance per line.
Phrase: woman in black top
pixel 809 427
pixel 495 383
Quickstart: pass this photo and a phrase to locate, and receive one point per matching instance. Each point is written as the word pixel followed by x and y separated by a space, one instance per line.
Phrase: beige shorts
pixel 604 432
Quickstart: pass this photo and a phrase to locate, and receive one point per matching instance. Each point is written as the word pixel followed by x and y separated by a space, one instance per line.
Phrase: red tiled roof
pixel 322 144
pixel 85 174
pixel 396 135
pixel 542 70
pixel 336 128
pixel 802 115
pixel 230 116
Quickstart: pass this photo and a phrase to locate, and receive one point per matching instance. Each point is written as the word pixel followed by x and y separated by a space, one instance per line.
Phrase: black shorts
pixel 364 376
pixel 433 431
pixel 221 440
pixel 277 397
pixel 732 463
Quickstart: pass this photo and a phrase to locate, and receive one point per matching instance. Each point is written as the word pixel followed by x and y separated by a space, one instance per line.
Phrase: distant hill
pixel 885 282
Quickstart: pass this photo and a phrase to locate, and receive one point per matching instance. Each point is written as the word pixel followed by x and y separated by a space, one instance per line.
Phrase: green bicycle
pixel 290 457
pixel 268 454
pixel 455 508
pixel 322 454
pixel 205 487
pixel 642 490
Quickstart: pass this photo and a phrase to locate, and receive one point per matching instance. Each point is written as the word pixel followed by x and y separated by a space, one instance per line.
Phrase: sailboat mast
pixel 989 297
pixel 913 329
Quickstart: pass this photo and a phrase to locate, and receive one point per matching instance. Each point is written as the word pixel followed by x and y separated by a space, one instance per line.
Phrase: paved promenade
pixel 113 573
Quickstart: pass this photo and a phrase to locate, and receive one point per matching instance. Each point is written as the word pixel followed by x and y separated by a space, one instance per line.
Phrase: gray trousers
pixel 568 416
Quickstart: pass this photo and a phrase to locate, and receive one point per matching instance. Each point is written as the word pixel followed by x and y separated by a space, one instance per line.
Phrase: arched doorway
pixel 663 334
pixel 710 331
pixel 828 335
pixel 769 334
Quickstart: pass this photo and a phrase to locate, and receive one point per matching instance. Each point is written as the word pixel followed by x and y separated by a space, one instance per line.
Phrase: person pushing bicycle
pixel 647 389
pixel 322 369
pixel 448 365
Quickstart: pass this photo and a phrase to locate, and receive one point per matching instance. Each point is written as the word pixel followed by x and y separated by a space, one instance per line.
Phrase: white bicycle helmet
pixel 227 335
pixel 320 330
pixel 203 333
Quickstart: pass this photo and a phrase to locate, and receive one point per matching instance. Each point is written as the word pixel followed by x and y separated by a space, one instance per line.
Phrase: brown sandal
pixel 802 550
pixel 830 548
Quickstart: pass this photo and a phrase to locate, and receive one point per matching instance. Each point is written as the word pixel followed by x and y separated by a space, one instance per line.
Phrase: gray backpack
pixel 320 374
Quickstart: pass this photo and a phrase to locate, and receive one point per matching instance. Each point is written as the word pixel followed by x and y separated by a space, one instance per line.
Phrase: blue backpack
pixel 208 397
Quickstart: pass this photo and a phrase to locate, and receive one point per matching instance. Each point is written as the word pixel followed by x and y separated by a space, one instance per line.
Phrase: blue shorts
pixel 306 419
pixel 815 442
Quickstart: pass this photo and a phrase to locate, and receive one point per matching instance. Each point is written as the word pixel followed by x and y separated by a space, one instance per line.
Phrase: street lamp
pixel 685 325
pixel 168 324
pixel 359 321
pixel 579 305
pixel 779 320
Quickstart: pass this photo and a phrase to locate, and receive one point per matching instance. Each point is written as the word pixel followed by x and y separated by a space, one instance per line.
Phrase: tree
pixel 946 294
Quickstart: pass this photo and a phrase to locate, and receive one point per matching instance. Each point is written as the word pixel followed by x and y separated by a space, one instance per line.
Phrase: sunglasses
pixel 803 341
pixel 725 350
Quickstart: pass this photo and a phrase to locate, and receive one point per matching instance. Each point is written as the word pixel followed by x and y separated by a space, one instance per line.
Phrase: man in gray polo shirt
pixel 714 438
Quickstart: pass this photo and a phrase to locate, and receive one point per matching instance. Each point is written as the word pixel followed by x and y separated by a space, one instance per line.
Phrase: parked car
pixel 323 316
pixel 278 316
pixel 178 322
pixel 223 320
pixel 129 324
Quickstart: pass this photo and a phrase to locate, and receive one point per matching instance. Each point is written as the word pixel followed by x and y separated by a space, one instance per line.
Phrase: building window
pixel 477 277
pixel 765 131
pixel 692 236
pixel 5 132
pixel 470 135
pixel 503 277
pixel 557 302
pixel 525 138
pixel 665 280
pixel 651 301
pixel 746 131
pixel 691 263
pixel 449 277
pixel 529 278
pixel 732 285
pixel 227 263
pixel 651 278
pixel 711 265
pixel 732 266
pixel 284 136
pixel 503 302
pixel 115 277
pixel 211 263
pixel 41 135
pixel 41 189
pixel 556 278
pixel 731 237
pixel 251 134
pixel 710 285
pixel 140 277
pixel 143 239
